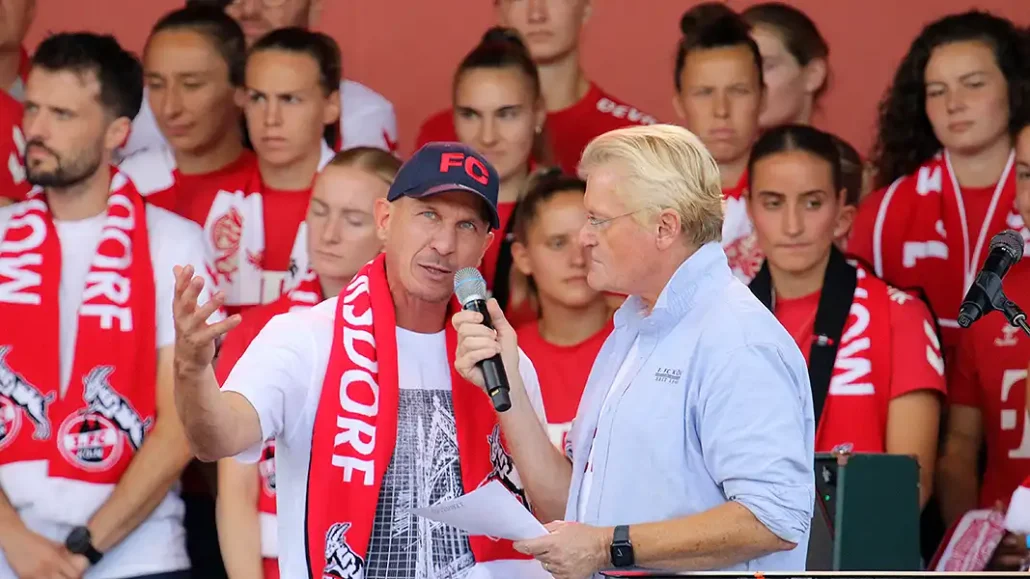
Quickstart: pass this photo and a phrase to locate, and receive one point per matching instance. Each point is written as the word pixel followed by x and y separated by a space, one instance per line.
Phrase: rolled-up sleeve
pixel 757 435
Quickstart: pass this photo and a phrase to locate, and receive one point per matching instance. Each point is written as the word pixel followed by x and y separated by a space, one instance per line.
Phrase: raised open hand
pixel 194 337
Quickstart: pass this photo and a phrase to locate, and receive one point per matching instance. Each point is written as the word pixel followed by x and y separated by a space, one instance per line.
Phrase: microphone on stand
pixel 986 295
pixel 470 288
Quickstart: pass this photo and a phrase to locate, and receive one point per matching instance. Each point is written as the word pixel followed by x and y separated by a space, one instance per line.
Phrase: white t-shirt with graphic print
pixel 281 374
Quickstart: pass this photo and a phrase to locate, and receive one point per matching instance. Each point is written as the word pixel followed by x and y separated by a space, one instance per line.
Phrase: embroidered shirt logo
pixel 668 375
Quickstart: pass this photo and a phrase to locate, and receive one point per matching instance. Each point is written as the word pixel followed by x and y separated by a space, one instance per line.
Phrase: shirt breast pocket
pixel 651 417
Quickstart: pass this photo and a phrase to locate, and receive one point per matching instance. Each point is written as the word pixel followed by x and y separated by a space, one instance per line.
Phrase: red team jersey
pixel 990 374
pixel 926 231
pixel 563 373
pixel 913 361
pixel 12 150
pixel 570 129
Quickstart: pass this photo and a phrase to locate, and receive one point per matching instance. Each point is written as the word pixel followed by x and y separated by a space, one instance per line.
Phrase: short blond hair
pixel 373 161
pixel 662 167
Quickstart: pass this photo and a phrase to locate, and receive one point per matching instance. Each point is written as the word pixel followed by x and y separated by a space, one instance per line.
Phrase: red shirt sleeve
pixel 916 361
pixel 13 184
pixel 439 127
pixel 860 240
pixel 964 379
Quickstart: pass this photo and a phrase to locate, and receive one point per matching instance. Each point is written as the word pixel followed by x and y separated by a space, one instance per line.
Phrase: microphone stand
pixel 1014 314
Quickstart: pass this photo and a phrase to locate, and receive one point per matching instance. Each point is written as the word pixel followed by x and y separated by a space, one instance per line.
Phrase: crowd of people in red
pixel 235 145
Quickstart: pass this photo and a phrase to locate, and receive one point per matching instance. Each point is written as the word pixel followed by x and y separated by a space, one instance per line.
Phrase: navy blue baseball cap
pixel 441 167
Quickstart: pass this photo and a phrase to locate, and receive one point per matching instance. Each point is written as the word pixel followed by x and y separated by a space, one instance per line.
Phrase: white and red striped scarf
pixel 92 433
pixel 355 431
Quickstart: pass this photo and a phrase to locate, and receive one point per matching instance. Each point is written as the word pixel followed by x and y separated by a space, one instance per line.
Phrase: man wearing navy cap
pixel 360 393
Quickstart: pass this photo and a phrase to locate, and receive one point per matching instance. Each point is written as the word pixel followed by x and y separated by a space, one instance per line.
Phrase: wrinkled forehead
pixel 457 204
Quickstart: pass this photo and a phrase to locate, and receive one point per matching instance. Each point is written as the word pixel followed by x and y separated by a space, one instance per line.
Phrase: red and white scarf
pixel 970 543
pixel 93 431
pixel 235 234
pixel 921 226
pixel 854 411
pixel 355 432
pixel 738 233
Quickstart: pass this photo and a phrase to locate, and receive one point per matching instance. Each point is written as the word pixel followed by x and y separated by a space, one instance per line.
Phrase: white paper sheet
pixel 489 510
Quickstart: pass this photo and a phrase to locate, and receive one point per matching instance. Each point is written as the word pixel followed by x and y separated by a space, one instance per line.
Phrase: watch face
pixel 78 540
pixel 622 555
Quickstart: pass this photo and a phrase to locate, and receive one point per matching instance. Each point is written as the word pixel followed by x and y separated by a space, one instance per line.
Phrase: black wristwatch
pixel 621 549
pixel 80 542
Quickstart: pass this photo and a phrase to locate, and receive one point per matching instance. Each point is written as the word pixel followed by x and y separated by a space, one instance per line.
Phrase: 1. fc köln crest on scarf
pixel 91 438
pixel 18 398
pixel 267 468
pixel 225 237
pixel 341 562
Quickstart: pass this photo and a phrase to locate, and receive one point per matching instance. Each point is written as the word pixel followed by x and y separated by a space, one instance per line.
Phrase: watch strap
pixel 92 554
pixel 622 548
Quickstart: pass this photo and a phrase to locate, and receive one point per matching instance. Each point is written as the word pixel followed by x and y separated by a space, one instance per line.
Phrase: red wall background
pixel 407 49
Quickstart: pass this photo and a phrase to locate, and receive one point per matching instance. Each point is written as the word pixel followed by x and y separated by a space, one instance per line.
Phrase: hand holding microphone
pixel 486 341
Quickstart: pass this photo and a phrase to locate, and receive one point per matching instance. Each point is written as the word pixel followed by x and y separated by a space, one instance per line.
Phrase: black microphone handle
pixel 494 376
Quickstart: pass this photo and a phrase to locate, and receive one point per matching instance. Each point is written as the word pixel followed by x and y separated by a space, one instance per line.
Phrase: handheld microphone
pixel 986 295
pixel 470 287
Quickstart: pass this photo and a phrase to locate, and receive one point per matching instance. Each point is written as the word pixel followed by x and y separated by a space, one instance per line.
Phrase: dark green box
pixel 872 503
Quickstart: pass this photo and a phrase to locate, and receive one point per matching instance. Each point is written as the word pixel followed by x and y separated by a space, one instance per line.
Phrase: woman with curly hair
pixel 944 160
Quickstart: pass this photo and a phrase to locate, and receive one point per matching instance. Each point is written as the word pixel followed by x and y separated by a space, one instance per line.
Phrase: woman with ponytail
pixel 841 316
pixel 718 82
pixel 499 112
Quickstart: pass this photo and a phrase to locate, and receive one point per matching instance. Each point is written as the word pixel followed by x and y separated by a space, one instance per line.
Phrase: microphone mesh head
pixel 469 285
pixel 1011 242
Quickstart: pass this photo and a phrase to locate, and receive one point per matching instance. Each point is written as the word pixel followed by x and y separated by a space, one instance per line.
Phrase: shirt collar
pixel 680 291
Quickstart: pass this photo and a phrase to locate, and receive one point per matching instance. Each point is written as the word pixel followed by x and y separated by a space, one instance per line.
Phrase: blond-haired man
pixel 693 445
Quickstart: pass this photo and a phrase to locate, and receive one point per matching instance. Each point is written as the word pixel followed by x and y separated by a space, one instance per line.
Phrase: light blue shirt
pixel 717 407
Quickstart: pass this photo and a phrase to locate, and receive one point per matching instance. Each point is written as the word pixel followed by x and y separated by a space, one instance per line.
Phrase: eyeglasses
pixel 599 223
pixel 263 3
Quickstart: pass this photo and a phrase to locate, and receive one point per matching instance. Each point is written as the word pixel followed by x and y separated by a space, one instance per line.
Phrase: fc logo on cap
pixel 473 167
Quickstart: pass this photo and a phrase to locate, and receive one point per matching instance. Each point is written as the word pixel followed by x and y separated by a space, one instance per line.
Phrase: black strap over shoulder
pixel 838 291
